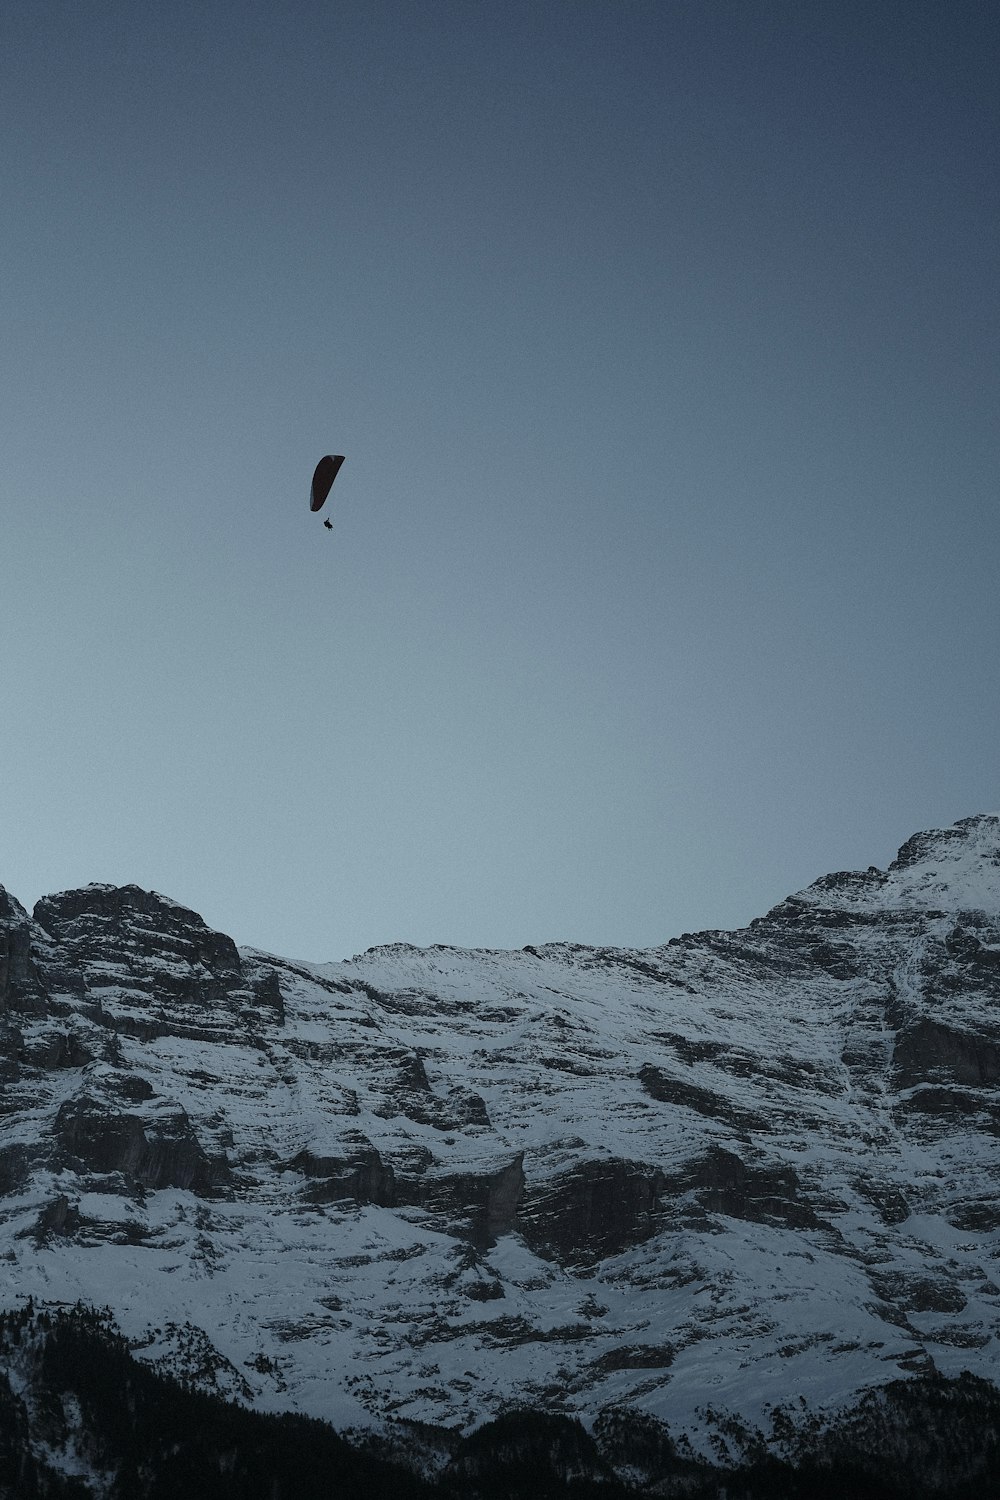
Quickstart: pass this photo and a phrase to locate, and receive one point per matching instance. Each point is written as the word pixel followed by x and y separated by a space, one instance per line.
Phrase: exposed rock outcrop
pixel 156 1152
pixel 20 989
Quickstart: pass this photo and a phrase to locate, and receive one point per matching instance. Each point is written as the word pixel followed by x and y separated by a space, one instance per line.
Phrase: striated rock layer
pixel 727 1182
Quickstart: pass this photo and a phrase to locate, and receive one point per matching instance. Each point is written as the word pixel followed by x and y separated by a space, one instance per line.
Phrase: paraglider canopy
pixel 326 472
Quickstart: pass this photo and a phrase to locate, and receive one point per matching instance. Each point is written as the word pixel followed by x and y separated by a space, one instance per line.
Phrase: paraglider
pixel 325 473
pixel 328 524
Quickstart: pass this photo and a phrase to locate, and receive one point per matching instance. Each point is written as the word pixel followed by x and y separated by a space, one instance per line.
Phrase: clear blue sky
pixel 661 337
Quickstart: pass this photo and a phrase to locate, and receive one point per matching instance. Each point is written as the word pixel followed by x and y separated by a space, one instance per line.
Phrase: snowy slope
pixel 738 1173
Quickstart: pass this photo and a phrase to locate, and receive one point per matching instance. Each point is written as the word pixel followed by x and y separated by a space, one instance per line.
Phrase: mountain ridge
pixel 702 1182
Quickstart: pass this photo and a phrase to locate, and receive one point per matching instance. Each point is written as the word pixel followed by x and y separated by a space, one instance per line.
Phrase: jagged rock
pixel 714 1106
pixel 411 1075
pixel 15 1164
pixel 11 1051
pixel 724 1183
pixel 90 920
pixel 148 966
pixel 597 1209
pixel 131 1086
pixel 56 1047
pixel 58 1217
pixel 20 989
pixel 929 1051
pixel 267 993
pixel 459 1109
pixel 158 1153
pixel 481 1205
pixel 889 1201
pixel 919 1293
pixel 362 1177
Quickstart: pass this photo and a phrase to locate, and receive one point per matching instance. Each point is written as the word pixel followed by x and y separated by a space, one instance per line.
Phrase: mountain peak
pixel 974 840
pixel 945 869
pixel 111 901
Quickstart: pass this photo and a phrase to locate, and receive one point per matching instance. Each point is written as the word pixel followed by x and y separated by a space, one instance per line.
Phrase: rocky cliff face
pixel 723 1182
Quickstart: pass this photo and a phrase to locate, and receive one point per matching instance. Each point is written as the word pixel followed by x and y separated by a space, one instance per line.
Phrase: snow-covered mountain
pixel 730 1182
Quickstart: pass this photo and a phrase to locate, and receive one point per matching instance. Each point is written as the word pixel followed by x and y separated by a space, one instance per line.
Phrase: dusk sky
pixel 662 342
